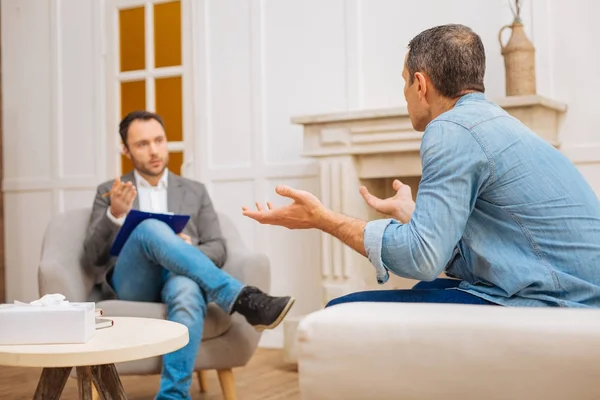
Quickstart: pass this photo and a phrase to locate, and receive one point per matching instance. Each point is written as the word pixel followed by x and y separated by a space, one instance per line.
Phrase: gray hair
pixel 452 56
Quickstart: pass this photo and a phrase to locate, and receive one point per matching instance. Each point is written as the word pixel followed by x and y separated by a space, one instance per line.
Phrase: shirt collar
pixel 470 97
pixel 163 183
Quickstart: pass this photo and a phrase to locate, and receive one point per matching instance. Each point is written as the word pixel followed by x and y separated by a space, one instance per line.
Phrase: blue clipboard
pixel 134 217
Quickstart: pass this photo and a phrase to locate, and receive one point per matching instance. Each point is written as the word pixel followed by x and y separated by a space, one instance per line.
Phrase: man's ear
pixel 125 151
pixel 421 84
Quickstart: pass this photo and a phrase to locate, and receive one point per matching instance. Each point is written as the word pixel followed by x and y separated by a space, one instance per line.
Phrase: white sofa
pixel 427 351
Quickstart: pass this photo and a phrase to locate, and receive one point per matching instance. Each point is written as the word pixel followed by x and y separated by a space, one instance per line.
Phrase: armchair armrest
pixel 248 267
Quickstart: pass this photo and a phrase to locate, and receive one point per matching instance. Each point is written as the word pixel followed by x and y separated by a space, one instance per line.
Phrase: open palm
pixel 400 206
pixel 303 213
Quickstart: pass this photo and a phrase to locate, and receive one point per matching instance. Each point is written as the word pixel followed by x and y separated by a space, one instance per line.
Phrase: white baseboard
pixel 272 339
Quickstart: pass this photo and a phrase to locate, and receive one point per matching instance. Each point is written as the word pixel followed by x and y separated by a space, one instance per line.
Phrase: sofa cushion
pixel 217 322
pixel 362 350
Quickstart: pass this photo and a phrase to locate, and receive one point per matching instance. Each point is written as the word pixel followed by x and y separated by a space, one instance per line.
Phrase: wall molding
pixel 200 78
pixel 13 185
pixel 588 153
pixel 111 103
pixel 259 151
pixel 262 172
pixel 56 96
pixel 100 112
pixel 265 172
pixel 187 78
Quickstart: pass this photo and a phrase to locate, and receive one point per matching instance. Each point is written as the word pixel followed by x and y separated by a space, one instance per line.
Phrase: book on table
pixel 104 323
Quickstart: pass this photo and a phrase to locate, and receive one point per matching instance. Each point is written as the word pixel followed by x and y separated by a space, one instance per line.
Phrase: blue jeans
pixel 438 291
pixel 156 265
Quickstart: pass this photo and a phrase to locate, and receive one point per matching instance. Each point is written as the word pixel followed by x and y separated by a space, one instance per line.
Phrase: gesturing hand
pixel 186 238
pixel 122 195
pixel 400 206
pixel 304 213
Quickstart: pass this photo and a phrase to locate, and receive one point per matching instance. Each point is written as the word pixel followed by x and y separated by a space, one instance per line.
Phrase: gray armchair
pixel 227 342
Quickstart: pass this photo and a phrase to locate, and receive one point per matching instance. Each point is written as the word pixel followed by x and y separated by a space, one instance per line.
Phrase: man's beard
pixel 146 171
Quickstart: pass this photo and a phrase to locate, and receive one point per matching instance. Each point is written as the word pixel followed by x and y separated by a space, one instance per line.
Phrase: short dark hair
pixel 136 115
pixel 451 55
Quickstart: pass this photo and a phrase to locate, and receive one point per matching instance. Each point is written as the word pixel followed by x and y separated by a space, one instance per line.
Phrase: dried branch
pixel 516 10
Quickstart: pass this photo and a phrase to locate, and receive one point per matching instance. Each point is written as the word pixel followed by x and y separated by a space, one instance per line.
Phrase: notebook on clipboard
pixel 175 221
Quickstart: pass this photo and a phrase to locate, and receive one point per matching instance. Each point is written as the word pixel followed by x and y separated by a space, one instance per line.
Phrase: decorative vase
pixel 519 61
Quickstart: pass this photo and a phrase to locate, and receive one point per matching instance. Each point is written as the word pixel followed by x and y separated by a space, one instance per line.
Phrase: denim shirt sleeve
pixel 455 170
pixel 374 233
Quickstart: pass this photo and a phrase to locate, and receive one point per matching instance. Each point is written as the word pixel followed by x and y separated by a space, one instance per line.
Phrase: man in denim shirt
pixel 498 208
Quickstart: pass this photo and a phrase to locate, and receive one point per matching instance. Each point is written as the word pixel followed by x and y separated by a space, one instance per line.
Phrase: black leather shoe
pixel 261 310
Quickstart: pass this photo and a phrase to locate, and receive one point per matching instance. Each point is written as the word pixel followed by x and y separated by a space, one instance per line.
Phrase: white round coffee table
pixel 128 339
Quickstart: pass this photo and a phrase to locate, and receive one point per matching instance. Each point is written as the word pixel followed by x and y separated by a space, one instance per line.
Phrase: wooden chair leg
pixel 227 383
pixel 202 381
pixel 95 394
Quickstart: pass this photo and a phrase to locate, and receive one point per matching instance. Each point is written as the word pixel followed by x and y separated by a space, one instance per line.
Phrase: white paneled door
pixel 148 68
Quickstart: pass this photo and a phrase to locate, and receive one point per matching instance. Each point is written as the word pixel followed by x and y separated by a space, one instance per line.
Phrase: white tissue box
pixel 22 324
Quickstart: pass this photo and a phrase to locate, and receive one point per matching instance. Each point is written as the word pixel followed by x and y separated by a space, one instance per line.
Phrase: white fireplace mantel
pixel 385 143
pixel 372 147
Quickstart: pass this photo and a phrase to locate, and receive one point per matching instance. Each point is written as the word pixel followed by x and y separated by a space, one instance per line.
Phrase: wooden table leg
pixel 84 383
pixel 106 379
pixel 51 383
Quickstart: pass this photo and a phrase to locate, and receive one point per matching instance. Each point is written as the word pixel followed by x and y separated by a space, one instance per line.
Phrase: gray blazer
pixel 184 196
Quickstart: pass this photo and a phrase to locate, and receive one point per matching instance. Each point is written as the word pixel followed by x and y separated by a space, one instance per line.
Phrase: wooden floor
pixel 266 377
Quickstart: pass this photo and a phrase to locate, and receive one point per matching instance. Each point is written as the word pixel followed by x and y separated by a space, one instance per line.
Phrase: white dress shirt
pixel 151 198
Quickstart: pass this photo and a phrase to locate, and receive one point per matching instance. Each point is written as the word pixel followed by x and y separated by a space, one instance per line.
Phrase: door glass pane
pixel 126 165
pixel 167 34
pixel 175 162
pixel 133 96
pixel 131 39
pixel 169 106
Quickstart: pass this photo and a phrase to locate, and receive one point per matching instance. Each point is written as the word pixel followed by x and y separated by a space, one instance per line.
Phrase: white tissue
pixel 55 299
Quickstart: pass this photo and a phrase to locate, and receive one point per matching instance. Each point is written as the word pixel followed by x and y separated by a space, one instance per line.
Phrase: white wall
pixel 386 27
pixel 256 64
pixel 574 62
pixel 53 123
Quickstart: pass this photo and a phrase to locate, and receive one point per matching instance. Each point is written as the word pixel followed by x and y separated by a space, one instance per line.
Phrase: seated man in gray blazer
pixel 183 271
